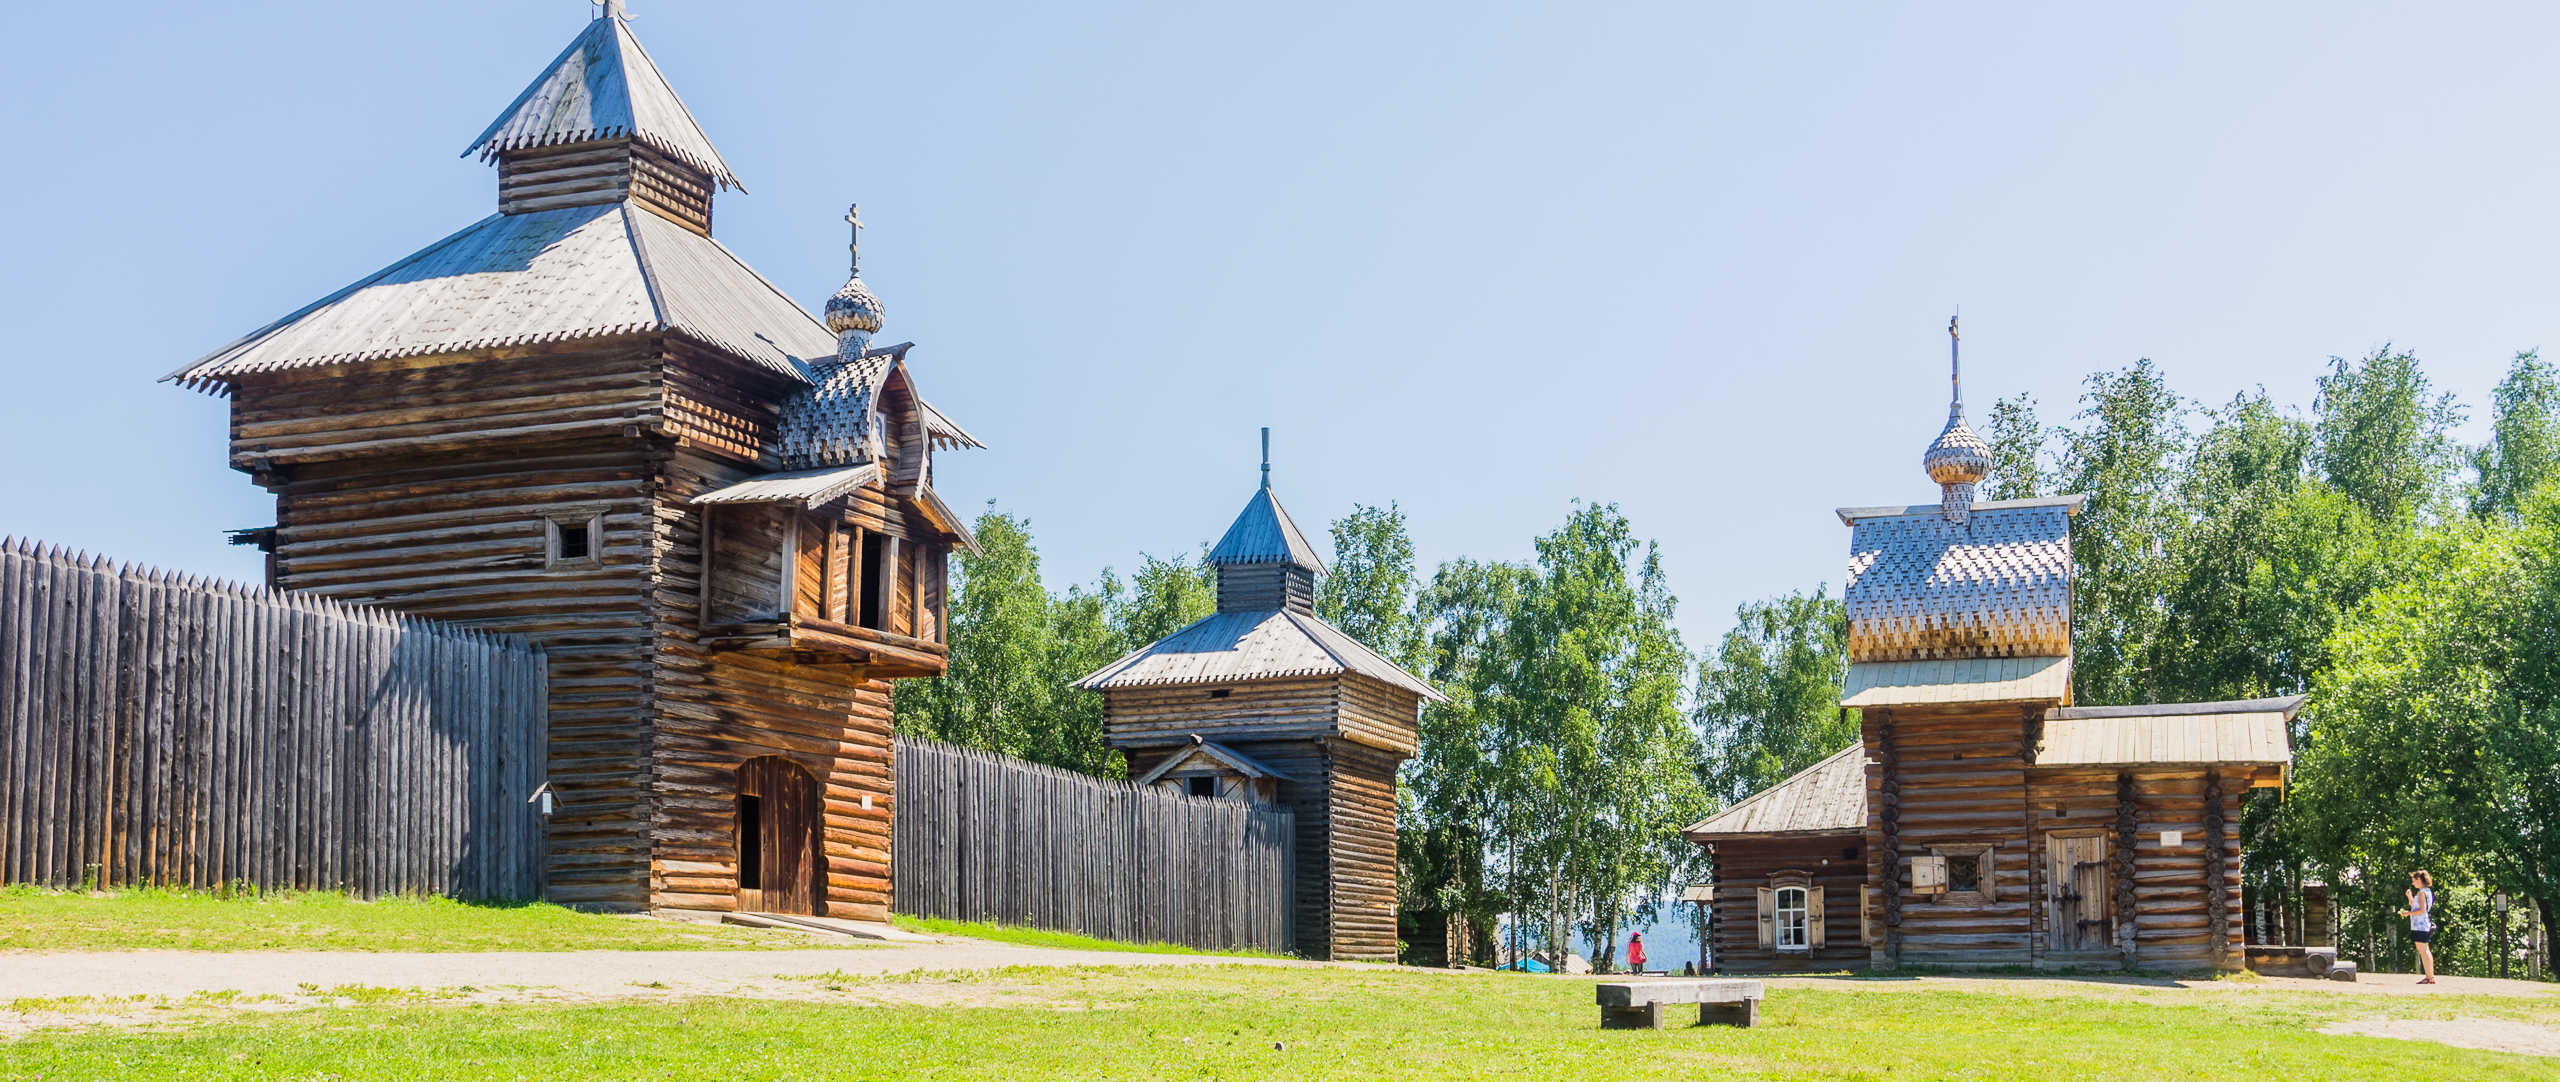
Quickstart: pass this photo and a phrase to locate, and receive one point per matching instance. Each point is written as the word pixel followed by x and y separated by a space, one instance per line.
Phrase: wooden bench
pixel 1720 1000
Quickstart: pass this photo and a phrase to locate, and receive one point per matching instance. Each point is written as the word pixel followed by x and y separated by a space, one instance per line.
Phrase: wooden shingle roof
pixel 1264 534
pixel 2241 732
pixel 604 86
pixel 545 276
pixel 1921 587
pixel 1829 797
pixel 1237 646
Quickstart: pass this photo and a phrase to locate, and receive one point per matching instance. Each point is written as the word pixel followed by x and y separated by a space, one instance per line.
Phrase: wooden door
pixel 780 858
pixel 2077 879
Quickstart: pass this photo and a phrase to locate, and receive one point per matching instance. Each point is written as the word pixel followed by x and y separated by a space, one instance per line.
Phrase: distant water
pixel 1667 942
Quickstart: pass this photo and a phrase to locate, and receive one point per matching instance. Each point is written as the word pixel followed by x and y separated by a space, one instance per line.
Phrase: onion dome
pixel 1959 460
pixel 854 311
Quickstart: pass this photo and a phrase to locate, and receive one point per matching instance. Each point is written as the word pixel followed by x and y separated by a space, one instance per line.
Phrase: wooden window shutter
pixel 1768 918
pixel 1866 926
pixel 1813 917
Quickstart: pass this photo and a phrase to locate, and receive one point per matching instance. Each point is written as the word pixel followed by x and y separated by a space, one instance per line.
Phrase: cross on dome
pixel 1958 460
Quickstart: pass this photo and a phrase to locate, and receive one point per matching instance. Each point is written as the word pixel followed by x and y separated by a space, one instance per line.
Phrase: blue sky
pixel 1481 259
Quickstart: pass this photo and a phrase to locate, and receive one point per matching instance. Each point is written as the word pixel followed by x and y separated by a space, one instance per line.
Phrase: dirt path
pixel 576 974
pixel 2369 984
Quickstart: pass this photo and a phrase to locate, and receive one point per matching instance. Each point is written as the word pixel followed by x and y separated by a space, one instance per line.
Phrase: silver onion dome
pixel 1958 460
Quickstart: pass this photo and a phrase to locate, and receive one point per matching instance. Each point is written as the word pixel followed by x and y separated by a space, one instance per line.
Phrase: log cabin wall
pixel 1259 710
pixel 2172 907
pixel 1360 852
pixel 1341 792
pixel 721 708
pixel 1961 774
pixel 435 488
pixel 1745 865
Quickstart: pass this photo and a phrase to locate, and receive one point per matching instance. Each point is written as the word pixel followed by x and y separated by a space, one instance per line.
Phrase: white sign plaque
pixel 2171 839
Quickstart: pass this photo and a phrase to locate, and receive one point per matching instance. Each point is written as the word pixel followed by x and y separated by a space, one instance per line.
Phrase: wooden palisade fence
pixel 158 730
pixel 983 837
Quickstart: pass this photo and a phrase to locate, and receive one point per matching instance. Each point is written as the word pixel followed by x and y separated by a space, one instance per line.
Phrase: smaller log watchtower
pixel 1265 702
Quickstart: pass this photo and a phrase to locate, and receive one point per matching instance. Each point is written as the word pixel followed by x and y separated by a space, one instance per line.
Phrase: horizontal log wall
pixel 1360 853
pixel 717 710
pixel 460 537
pixel 986 838
pixel 176 732
pixel 1744 865
pixel 2171 904
pixel 1963 787
pixel 1258 710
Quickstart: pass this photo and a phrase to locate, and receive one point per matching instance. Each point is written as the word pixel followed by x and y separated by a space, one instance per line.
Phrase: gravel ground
pixel 584 974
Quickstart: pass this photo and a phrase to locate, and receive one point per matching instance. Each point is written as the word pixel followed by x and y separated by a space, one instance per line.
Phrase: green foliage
pixel 1566 753
pixel 2383 438
pixel 1369 593
pixel 1768 701
pixel 1165 596
pixel 1015 652
pixel 2438 732
pixel 2524 445
pixel 2016 439
pixel 2124 458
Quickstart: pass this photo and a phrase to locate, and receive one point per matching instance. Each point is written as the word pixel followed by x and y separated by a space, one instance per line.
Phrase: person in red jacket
pixel 1635 952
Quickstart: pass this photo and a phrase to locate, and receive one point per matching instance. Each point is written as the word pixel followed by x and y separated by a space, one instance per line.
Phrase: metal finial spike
pixel 1266 458
pixel 613 10
pixel 1955 364
pixel 853 217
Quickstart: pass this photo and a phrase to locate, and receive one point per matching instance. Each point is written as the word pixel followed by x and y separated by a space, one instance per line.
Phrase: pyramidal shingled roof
pixel 1263 534
pixel 604 86
pixel 548 276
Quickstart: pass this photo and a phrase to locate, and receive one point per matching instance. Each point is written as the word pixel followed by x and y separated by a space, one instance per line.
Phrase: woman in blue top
pixel 2422 921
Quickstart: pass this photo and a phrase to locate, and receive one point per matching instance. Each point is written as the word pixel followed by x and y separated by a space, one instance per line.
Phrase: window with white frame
pixel 1794 906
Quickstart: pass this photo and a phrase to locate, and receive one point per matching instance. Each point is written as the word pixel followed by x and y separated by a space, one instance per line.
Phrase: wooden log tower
pixel 1264 701
pixel 582 420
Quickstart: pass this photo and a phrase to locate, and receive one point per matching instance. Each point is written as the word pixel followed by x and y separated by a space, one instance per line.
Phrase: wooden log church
pixel 1982 819
pixel 583 420
pixel 1265 702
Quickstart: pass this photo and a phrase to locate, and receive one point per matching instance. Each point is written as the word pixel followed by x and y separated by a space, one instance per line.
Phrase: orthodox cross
pixel 1955 360
pixel 853 217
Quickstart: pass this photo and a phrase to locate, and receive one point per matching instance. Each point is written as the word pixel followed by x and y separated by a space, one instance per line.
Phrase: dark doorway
pixel 875 581
pixel 780 855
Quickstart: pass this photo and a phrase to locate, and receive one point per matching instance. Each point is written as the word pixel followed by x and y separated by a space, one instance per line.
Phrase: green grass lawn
pixel 1039 937
pixel 42 920
pixel 1259 1023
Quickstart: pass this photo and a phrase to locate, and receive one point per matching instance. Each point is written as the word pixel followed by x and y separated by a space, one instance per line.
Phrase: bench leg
pixel 1627 1018
pixel 1741 1014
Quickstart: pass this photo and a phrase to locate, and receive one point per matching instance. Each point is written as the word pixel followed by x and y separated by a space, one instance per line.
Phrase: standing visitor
pixel 1635 952
pixel 2422 921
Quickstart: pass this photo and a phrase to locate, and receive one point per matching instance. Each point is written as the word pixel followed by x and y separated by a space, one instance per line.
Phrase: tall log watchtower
pixel 1264 701
pixel 582 420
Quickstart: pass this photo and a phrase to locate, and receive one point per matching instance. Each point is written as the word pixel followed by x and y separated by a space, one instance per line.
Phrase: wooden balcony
pixel 811 641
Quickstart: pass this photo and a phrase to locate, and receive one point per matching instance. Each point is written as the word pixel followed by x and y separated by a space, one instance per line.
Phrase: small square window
pixel 1964 874
pixel 573 543
pixel 1203 786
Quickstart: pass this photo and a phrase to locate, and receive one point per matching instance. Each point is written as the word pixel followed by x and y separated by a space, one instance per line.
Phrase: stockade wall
pixel 166 731
pixel 982 837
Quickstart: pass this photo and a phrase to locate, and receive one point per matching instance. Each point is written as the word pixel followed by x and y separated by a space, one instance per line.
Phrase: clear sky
pixel 1481 259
